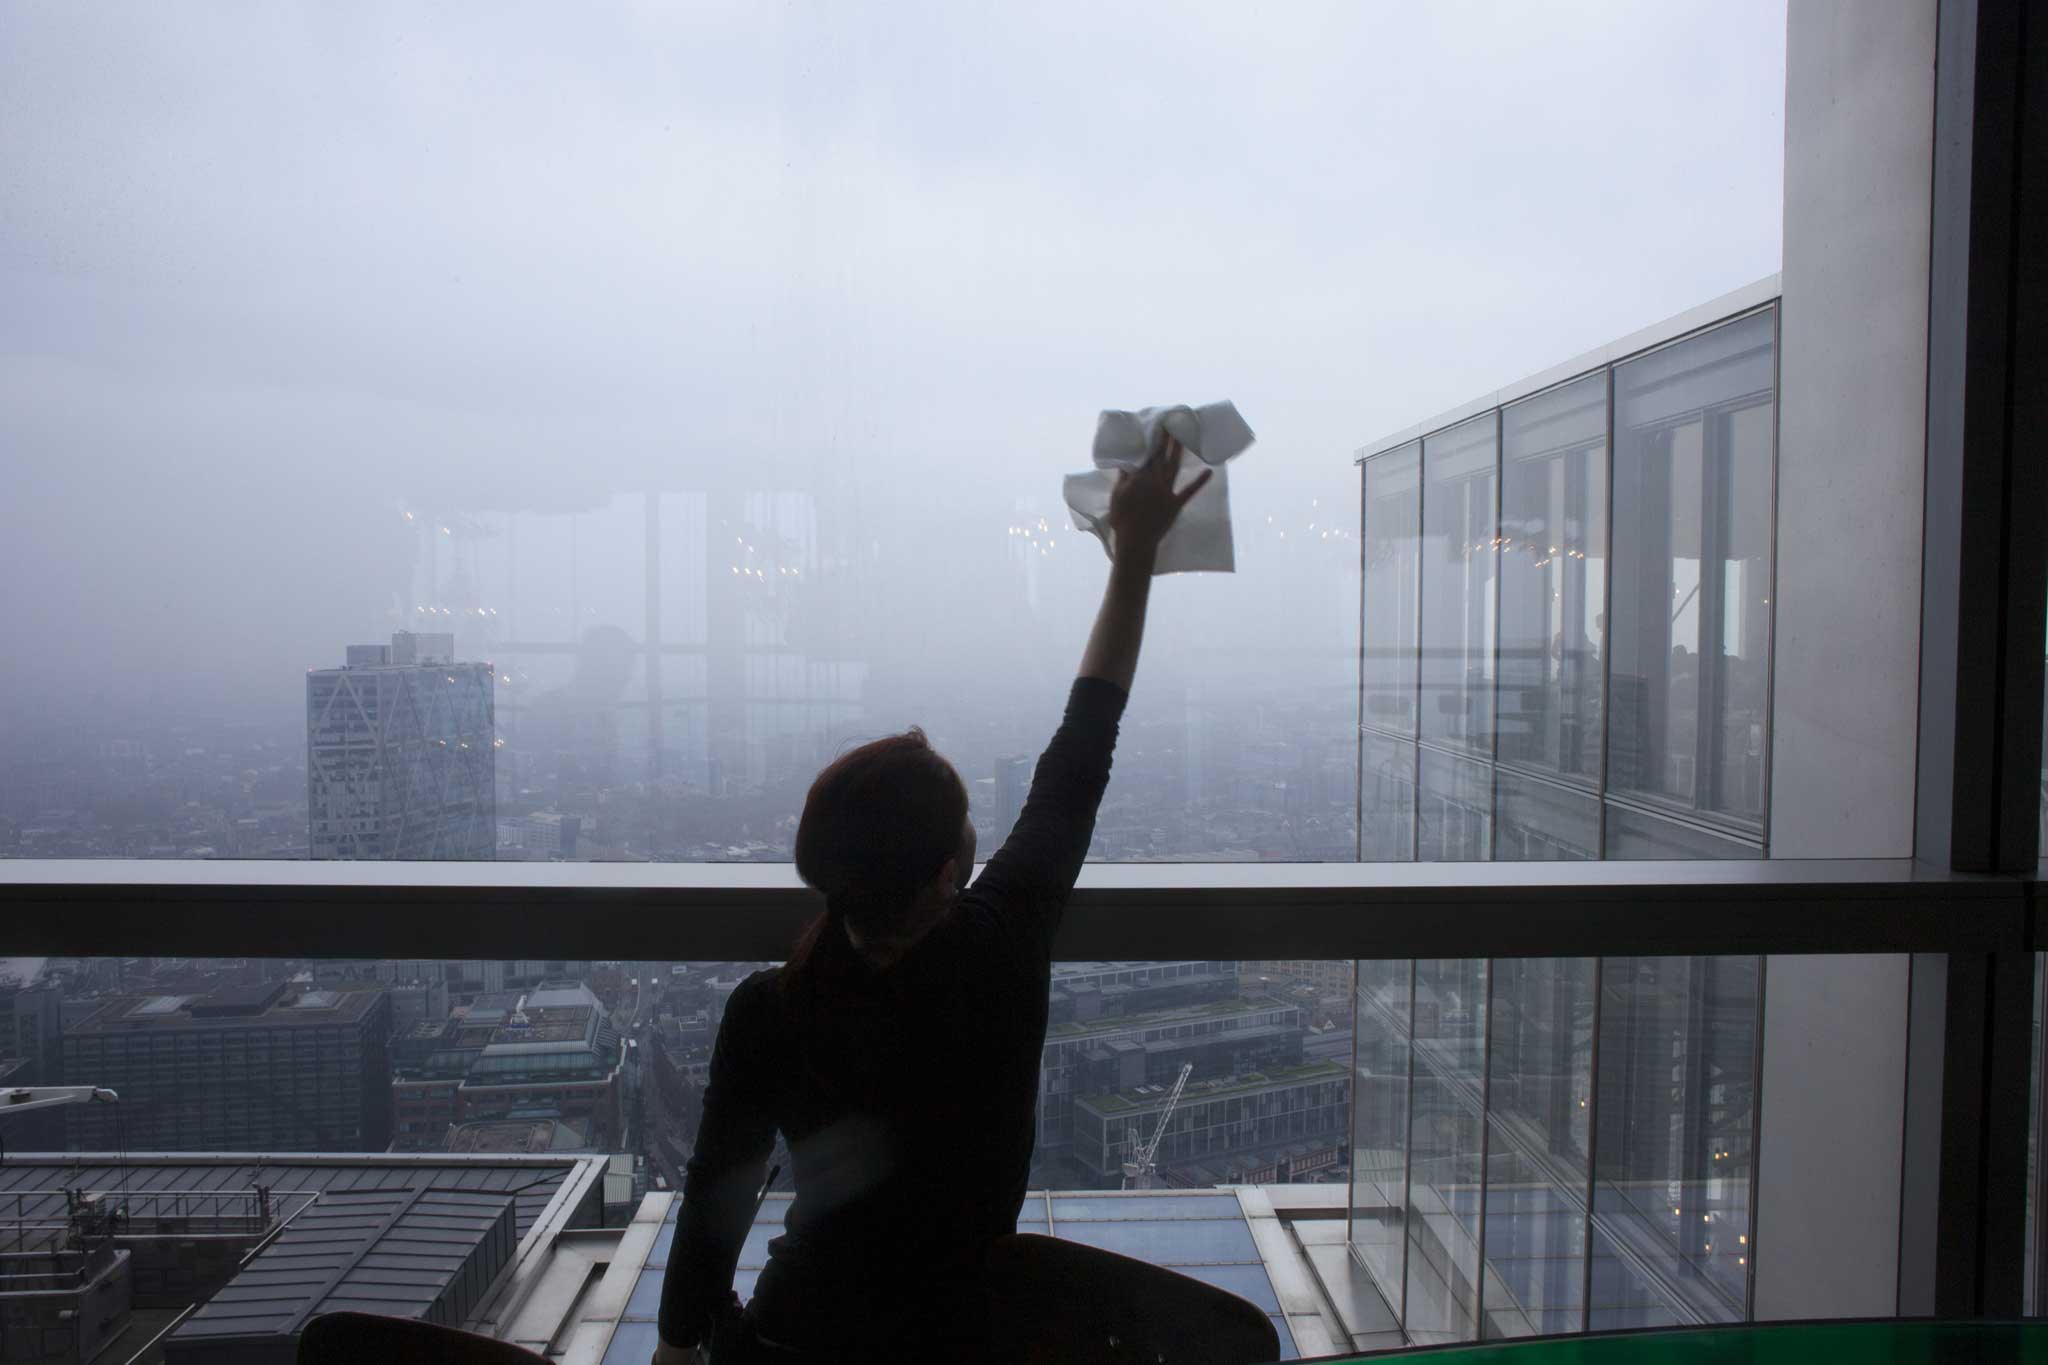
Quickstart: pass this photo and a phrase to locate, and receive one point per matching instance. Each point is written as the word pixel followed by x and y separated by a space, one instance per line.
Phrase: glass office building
pixel 1566 645
pixel 1566 615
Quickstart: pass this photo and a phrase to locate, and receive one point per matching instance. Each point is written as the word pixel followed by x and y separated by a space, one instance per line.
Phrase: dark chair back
pixel 353 1338
pixel 1054 1300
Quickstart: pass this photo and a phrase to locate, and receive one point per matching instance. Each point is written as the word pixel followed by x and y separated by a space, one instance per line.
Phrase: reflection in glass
pixel 1387 805
pixel 1393 508
pixel 1539 821
pixel 1634 834
pixel 1379 1131
pixel 1446 1105
pixel 1694 426
pixel 1456 818
pixel 1459 553
pixel 1539 1091
pixel 1676 1117
pixel 1553 578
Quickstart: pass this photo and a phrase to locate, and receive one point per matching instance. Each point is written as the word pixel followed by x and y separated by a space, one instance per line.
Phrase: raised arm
pixel 1029 878
pixel 1141 510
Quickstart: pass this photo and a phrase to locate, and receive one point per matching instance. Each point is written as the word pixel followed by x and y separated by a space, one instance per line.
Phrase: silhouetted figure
pixel 898 1050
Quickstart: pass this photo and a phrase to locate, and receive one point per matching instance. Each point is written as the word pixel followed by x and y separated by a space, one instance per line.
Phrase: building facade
pixel 549 1053
pixel 1113 1026
pixel 400 754
pixel 264 1068
pixel 1235 1126
pixel 1567 627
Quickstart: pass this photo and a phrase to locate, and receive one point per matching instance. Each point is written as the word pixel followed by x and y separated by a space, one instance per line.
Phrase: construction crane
pixel 20 1099
pixel 1138 1166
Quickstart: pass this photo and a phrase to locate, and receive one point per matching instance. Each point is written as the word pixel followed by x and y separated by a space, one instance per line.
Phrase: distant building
pixel 32 1053
pixel 400 754
pixel 523 1057
pixel 246 1068
pixel 1328 976
pixel 1231 1124
pixel 1012 784
pixel 1119 1025
pixel 543 834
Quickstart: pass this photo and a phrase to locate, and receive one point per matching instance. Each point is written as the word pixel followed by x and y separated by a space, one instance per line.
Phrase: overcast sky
pixel 271 274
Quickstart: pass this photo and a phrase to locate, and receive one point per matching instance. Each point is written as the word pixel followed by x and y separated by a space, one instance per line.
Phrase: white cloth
pixel 1213 433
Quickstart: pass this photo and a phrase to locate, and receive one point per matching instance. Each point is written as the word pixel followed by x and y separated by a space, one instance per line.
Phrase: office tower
pixel 265 1068
pixel 1013 783
pixel 400 751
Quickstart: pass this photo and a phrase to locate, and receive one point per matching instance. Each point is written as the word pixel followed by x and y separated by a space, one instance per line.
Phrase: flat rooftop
pixel 1132 1101
pixel 1177 1014
pixel 227 1009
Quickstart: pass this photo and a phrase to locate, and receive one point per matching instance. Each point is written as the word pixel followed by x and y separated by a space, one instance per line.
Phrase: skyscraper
pixel 400 748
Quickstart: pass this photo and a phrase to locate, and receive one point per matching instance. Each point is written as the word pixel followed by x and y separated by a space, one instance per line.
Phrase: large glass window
pixel 1455 820
pixel 1695 428
pixel 1674 1153
pixel 1584 1126
pixel 1539 1133
pixel 1460 550
pixel 1554 578
pixel 1446 1106
pixel 1379 1126
pixel 1393 508
pixel 1544 730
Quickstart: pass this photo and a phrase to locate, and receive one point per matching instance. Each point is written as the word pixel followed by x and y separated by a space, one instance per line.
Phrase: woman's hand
pixel 1144 503
pixel 665 1354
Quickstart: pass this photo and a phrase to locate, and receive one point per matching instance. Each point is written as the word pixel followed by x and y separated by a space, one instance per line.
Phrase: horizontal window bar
pixel 752 911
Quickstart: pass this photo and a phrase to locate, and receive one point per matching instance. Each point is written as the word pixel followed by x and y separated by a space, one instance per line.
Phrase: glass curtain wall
pixel 1548 1145
pixel 1566 629
pixel 1389 641
pixel 1566 617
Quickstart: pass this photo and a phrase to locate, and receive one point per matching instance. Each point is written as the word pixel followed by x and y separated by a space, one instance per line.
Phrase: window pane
pixel 1554 578
pixel 1539 821
pixel 1393 508
pixel 1443 1133
pixel 1458 558
pixel 1634 834
pixel 1456 819
pixel 1387 799
pixel 1379 1134
pixel 1676 1116
pixel 1539 1092
pixel 1694 431
pixel 1170 1242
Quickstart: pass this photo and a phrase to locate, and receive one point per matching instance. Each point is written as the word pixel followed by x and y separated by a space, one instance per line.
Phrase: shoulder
pixel 757 991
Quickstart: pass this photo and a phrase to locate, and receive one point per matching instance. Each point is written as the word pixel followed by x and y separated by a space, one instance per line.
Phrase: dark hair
pixel 879 823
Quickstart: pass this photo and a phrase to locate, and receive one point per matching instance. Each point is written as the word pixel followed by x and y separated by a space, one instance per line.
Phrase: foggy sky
pixel 272 275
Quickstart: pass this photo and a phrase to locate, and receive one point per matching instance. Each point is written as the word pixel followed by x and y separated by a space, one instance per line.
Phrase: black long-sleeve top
pixel 907 1094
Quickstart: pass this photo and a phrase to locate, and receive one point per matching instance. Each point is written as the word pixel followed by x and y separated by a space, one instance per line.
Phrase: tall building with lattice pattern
pixel 400 754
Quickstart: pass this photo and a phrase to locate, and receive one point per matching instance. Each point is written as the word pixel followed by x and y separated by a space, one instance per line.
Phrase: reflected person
pixel 897 1052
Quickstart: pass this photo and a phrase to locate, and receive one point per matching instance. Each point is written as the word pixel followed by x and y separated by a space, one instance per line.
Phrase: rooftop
pixel 407 1251
pixel 1178 1014
pixel 1132 1101
pixel 232 1007
pixel 1649 338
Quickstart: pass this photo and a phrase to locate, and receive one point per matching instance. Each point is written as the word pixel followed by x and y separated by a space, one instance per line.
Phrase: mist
pixel 319 322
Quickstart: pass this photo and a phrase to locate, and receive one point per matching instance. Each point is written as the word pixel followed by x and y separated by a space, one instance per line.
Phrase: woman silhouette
pixel 897 1052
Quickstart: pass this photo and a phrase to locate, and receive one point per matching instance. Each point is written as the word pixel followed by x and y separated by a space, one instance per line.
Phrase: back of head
pixel 878 824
